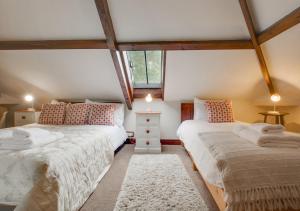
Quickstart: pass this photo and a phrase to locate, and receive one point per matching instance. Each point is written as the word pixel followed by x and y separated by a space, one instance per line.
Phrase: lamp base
pixel 273 112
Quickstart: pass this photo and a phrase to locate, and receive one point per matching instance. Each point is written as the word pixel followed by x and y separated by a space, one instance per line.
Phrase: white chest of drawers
pixel 148 132
pixel 26 117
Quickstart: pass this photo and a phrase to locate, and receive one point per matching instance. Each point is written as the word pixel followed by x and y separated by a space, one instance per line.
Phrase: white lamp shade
pixel 275 98
pixel 28 98
pixel 148 98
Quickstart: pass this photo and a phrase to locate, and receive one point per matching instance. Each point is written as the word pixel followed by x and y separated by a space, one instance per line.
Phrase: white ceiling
pixel 268 12
pixel 71 74
pixel 91 74
pixel 49 19
pixel 136 20
pixel 283 58
pixel 213 74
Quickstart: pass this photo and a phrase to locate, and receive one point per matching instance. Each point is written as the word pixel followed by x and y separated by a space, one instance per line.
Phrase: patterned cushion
pixel 77 114
pixel 102 114
pixel 219 111
pixel 53 114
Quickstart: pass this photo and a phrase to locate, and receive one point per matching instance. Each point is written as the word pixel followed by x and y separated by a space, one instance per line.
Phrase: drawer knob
pixel 148 120
pixel 23 117
pixel 147 131
pixel 147 142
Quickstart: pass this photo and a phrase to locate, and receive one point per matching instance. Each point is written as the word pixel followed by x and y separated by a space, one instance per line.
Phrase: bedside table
pixel 279 117
pixel 25 117
pixel 148 132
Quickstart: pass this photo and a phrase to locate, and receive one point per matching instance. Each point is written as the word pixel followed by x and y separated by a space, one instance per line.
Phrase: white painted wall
pixel 171 116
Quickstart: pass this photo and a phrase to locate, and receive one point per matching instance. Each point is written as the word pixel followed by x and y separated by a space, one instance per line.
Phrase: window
pixel 145 68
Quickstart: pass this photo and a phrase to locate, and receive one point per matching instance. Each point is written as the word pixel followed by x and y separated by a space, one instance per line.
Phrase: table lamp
pixel 29 99
pixel 275 98
pixel 148 99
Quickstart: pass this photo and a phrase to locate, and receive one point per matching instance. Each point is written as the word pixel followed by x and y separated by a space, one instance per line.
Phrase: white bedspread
pixel 188 132
pixel 57 176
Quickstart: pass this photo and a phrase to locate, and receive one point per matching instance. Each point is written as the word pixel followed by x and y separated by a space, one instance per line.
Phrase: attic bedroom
pixel 109 105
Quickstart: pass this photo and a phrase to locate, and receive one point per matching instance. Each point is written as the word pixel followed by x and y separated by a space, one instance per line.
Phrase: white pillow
pixel 200 112
pixel 119 113
pixel 54 101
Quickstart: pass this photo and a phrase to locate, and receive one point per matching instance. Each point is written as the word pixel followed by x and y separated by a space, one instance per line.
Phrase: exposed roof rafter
pixel 187 45
pixel 105 18
pixel 280 26
pixel 260 56
pixel 53 44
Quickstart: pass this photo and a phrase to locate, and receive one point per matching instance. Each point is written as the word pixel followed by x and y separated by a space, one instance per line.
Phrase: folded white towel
pixel 15 143
pixel 284 139
pixel 22 132
pixel 267 128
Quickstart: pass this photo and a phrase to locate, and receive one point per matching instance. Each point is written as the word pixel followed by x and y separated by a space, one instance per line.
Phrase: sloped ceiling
pixel 137 20
pixel 213 74
pixel 49 19
pixel 68 74
pixel 91 74
pixel 283 58
pixel 267 12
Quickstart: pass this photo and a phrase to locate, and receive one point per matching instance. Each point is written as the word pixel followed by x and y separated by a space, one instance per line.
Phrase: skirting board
pixel 162 141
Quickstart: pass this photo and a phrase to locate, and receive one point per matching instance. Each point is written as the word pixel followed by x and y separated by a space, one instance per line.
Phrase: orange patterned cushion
pixel 77 114
pixel 102 114
pixel 52 114
pixel 219 111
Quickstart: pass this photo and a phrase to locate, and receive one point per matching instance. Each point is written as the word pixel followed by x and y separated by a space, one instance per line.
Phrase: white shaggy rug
pixel 158 182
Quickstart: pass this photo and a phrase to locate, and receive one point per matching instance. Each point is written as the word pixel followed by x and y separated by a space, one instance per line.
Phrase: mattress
pixel 117 134
pixel 188 133
pixel 82 157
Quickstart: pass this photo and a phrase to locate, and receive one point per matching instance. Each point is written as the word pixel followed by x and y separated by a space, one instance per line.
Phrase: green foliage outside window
pixel 146 67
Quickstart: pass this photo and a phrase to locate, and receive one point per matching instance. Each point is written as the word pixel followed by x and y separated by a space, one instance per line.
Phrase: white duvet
pixel 57 176
pixel 188 133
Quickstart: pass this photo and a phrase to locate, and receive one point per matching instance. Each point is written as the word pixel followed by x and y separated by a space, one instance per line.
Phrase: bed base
pixel 216 192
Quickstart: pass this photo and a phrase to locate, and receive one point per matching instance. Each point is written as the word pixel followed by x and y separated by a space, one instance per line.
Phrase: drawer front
pixel 147 119
pixel 148 132
pixel 24 118
pixel 147 143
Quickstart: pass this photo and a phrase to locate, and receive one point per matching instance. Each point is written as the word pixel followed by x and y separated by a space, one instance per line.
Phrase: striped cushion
pixel 52 114
pixel 77 114
pixel 102 114
pixel 219 111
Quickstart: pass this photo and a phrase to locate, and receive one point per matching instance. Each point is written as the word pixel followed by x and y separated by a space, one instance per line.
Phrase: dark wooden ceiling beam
pixel 260 56
pixel 280 26
pixel 187 45
pixel 53 44
pixel 106 21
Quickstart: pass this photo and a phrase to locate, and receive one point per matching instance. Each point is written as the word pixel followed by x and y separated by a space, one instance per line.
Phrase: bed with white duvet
pixel 60 175
pixel 246 176
pixel 188 133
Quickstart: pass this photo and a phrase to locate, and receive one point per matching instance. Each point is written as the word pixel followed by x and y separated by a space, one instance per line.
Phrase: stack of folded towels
pixel 267 135
pixel 26 138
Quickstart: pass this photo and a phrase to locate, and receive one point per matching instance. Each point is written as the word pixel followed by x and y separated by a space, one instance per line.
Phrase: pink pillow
pixel 219 111
pixel 77 114
pixel 52 114
pixel 102 114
